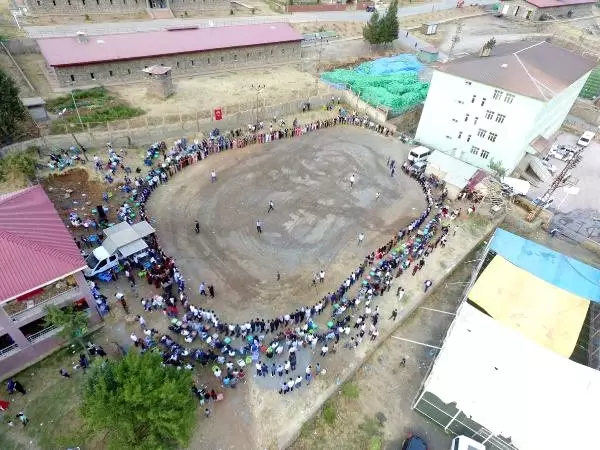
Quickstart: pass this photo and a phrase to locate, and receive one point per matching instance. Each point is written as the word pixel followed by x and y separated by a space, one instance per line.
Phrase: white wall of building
pixel 461 117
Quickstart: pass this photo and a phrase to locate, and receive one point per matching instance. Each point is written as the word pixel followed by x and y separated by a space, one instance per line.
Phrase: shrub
pixel 350 390
pixel 329 413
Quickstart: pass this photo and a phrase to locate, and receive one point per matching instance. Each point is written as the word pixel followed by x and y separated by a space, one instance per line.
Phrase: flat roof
pixel 514 387
pixel 73 50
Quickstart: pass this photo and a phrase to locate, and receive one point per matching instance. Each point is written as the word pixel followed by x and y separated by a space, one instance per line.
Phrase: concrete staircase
pixel 160 13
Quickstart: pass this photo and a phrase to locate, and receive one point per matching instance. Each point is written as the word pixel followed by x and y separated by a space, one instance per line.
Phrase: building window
pixel 145 67
pixel 475 150
pixel 466 117
pixel 469 138
pixel 54 2
pixel 484 154
pixel 481 132
pixel 192 62
pixel 97 2
pixel 92 76
pixel 497 94
pixel 83 2
pixel 69 2
pixel 111 2
pixel 500 118
pixel 247 55
pixel 282 51
pixel 39 3
pixel 235 57
pixel 207 60
pixel 271 51
pixel 483 102
pixel 468 83
pixel 489 114
pixel 473 99
pixel 492 137
pixel 110 73
pixel 222 59
pixel 124 2
pixel 72 78
pixel 178 64
pixel 128 71
pixel 508 98
pixel 459 134
pixel 475 120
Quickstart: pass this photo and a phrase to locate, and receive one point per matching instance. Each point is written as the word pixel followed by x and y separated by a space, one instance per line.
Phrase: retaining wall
pixel 316 8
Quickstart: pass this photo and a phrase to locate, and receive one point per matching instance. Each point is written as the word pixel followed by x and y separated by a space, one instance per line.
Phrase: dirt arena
pixel 314 226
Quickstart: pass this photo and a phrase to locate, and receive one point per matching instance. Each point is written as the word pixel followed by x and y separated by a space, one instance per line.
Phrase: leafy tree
pixel 497 167
pixel 372 30
pixel 74 323
pixel 389 24
pixel 12 110
pixel 140 404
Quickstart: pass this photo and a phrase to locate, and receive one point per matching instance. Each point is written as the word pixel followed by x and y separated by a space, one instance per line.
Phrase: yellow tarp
pixel 544 313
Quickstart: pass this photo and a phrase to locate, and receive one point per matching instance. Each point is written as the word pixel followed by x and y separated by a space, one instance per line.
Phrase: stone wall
pixel 195 5
pixel 66 7
pixel 182 64
pixel 320 7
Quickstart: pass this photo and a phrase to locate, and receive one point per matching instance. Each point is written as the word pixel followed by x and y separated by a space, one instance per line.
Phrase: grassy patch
pixel 329 413
pixel 350 390
pixel 96 106
pixel 476 223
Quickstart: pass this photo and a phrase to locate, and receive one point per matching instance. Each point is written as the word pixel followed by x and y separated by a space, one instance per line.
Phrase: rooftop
pixel 538 70
pixel 555 3
pixel 78 50
pixel 35 247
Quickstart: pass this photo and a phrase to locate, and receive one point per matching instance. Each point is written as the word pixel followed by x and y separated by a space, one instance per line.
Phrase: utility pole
pixel 258 88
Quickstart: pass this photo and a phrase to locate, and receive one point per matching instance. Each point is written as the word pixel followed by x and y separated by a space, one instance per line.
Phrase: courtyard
pixel 314 226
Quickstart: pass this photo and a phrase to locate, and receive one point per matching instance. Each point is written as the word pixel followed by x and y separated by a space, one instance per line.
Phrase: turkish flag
pixel 218 114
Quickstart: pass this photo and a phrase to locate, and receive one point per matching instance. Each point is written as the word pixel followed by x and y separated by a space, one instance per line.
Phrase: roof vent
pixel 504 66
pixel 100 41
pixel 81 37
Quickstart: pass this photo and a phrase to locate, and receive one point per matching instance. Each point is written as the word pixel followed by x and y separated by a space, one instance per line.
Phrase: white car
pixel 465 443
pixel 586 138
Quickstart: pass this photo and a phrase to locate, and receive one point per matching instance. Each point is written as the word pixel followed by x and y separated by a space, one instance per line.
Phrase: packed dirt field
pixel 343 29
pixel 314 226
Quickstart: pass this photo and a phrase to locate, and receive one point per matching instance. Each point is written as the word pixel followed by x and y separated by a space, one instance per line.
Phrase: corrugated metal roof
pixel 456 172
pixel 556 3
pixel 534 69
pixel 35 246
pixel 67 51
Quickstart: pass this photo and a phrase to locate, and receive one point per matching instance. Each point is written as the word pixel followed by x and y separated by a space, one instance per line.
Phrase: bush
pixel 18 164
pixel 350 390
pixel 329 413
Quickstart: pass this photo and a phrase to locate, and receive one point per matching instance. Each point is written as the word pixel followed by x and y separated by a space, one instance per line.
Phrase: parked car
pixel 465 443
pixel 586 138
pixel 414 442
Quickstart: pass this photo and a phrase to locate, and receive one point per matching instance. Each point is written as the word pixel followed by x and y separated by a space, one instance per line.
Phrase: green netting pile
pixel 390 82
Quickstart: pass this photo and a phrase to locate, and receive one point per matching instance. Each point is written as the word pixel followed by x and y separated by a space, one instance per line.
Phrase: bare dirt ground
pixel 343 29
pixel 32 65
pixel 314 226
pixel 283 84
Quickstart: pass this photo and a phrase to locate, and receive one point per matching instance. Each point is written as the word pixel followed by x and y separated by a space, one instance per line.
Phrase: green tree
pixel 372 30
pixel 12 110
pixel 497 167
pixel 389 24
pixel 73 323
pixel 139 403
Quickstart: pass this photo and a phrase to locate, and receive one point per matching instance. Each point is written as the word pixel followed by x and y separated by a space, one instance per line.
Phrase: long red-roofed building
pixel 40 265
pixel 92 60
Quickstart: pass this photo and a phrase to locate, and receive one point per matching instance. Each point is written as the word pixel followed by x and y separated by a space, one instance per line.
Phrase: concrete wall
pixel 66 7
pixel 199 5
pixel 320 7
pixel 355 103
pixel 182 64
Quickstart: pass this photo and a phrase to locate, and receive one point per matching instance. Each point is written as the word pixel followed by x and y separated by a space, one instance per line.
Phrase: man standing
pixel 202 289
pixel 213 176
pixel 197 227
pixel 321 276
pixel 428 284
pixel 259 226
pixel 271 206
pixel 211 291
pixel 394 314
pixel 361 237
pixel 324 350
pixel 377 195
pixel 400 292
pixel 352 179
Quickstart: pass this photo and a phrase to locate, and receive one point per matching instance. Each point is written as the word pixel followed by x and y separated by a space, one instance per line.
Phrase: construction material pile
pixel 389 82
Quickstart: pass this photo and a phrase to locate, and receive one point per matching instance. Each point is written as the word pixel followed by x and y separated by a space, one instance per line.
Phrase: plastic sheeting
pixel 545 314
pixel 391 82
pixel 553 267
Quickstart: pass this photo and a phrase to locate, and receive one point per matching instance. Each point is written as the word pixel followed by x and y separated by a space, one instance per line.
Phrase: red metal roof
pixel 35 246
pixel 68 51
pixel 556 3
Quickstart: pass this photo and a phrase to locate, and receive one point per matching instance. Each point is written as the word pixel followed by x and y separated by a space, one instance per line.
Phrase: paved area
pixel 314 226
pixel 154 25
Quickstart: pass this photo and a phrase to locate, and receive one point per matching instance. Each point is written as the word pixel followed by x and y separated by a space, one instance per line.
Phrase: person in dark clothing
pixel 19 388
pixel 64 373
pixel 197 227
pixel 211 291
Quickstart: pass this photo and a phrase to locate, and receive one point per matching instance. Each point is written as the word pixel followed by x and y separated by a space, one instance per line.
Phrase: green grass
pixel 592 85
pixel 350 390
pixel 329 413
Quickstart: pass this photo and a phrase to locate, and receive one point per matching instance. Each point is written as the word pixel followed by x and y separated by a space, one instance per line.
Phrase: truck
pixel 121 242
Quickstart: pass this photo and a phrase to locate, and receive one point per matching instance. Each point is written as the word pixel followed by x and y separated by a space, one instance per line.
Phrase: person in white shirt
pixel 324 350
pixel 361 237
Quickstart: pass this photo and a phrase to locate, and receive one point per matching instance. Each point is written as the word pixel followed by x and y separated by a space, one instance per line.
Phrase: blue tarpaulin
pixel 553 267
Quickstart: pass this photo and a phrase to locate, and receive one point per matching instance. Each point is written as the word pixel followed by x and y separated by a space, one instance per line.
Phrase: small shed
pixel 36 107
pixel 161 82
pixel 429 28
pixel 428 54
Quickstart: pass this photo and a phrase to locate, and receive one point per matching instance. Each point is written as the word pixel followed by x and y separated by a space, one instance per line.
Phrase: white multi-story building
pixel 481 108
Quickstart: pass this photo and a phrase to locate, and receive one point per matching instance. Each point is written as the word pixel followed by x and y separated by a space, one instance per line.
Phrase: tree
pixel 12 110
pixel 372 30
pixel 497 167
pixel 389 24
pixel 140 403
pixel 73 323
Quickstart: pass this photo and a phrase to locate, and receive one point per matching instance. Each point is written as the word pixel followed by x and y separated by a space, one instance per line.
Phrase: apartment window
pixel 492 137
pixel 483 102
pixel 500 118
pixel 110 73
pixel 469 138
pixel 235 57
pixel 475 120
pixel 508 98
pixel 468 83
pixel 192 62
pixel 475 150
pixel 92 76
pixel 481 132
pixel 489 114
pixel 459 134
pixel 473 99
pixel 466 117
pixel 73 78
pixel 484 154
pixel 497 94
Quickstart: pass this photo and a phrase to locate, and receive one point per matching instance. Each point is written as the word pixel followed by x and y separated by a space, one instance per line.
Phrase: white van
pixel 419 154
pixel 465 443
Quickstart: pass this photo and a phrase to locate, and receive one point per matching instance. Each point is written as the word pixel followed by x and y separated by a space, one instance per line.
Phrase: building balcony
pixel 43 334
pixel 9 351
pixel 33 309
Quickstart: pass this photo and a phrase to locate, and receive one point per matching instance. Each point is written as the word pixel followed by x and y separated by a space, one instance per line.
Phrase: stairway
pixel 160 13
